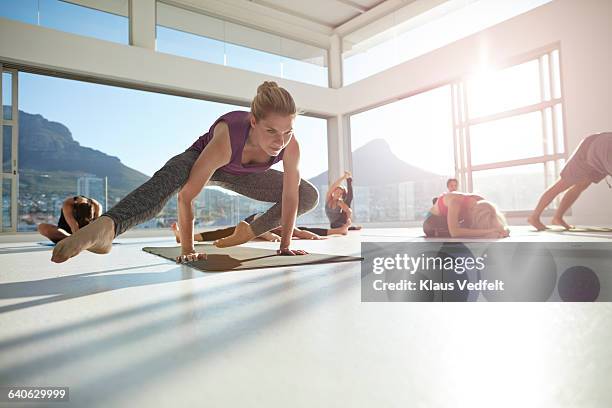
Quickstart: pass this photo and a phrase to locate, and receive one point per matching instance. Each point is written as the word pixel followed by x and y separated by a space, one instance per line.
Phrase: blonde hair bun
pixel 272 98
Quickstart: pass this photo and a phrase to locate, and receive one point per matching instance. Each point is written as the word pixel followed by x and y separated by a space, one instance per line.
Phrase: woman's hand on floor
pixel 190 257
pixel 291 252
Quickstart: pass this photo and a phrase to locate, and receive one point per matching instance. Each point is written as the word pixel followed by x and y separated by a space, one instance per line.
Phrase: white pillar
pixel 338 127
pixel 142 23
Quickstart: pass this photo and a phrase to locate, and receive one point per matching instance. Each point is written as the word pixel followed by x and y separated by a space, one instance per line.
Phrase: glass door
pixel 9 121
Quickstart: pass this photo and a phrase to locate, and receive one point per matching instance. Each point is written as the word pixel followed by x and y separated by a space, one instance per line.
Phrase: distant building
pixel 92 187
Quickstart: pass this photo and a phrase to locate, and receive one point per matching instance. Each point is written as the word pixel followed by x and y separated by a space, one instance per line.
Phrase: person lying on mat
pixel 461 215
pixel 236 153
pixel 590 163
pixel 272 235
pixel 76 212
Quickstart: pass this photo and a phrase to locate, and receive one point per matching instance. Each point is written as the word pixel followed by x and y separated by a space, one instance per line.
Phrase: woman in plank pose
pixel 236 154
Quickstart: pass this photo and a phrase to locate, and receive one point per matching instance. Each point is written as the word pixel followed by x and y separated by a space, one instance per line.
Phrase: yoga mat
pixel 241 258
pixel 579 229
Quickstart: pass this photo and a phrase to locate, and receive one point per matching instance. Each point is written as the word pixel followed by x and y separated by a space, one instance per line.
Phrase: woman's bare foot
pixel 560 221
pixel 175 229
pixel 242 233
pixel 96 237
pixel 270 236
pixel 536 223
pixel 303 234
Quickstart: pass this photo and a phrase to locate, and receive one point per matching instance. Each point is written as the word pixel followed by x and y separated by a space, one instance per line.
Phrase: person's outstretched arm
pixel 349 191
pixel 291 191
pixel 336 184
pixel 67 209
pixel 97 208
pixel 217 153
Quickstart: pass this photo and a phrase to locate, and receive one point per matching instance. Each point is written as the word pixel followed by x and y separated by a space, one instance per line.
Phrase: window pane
pixel 402 156
pixel 70 146
pixel 72 18
pixel 7 188
pixel 194 35
pixel 190 45
pixel 426 32
pixel 7 145
pixel 512 138
pixel 25 11
pixel 504 90
pixel 7 95
pixel 511 188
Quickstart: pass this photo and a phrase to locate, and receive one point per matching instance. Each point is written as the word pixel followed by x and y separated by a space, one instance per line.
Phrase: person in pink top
pixel 461 215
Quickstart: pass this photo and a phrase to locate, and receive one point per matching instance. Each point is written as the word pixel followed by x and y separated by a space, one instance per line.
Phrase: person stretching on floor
pixel 460 215
pixel 236 154
pixel 591 162
pixel 338 208
pixel 272 235
pixel 76 212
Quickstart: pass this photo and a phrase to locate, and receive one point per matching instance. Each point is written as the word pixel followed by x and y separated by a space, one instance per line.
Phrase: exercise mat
pixel 241 258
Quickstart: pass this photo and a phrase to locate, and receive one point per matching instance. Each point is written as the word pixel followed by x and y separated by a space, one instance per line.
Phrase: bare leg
pixel 174 226
pixel 95 237
pixel 52 232
pixel 549 195
pixel 243 233
pixel 568 199
pixel 343 230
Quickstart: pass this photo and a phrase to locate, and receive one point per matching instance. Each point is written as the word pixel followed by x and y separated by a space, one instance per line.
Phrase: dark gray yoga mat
pixel 241 258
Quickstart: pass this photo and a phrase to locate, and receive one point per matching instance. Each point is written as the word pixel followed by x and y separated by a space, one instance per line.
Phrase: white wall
pixel 583 29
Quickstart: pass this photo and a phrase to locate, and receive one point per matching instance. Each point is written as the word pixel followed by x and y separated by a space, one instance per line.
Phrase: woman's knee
pixel 309 196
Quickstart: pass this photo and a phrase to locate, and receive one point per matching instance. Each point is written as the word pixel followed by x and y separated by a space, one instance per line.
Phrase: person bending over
pixel 590 163
pixel 76 212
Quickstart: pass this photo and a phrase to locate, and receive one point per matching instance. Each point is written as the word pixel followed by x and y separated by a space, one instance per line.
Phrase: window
pixel 509 125
pixel 416 36
pixel 72 141
pixel 105 20
pixel 402 157
pixel 198 36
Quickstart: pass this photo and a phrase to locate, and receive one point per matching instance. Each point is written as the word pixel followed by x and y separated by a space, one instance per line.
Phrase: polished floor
pixel 132 329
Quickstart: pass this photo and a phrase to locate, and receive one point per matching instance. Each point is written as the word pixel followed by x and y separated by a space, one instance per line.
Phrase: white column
pixel 338 129
pixel 142 23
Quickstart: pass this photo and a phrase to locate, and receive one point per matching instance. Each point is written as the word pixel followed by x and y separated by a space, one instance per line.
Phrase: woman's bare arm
pixel 336 184
pixel 97 208
pixel 290 198
pixel 217 153
pixel 67 209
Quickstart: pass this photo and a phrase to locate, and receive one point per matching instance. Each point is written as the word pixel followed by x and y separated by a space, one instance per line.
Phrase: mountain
pixel 48 148
pixel 375 165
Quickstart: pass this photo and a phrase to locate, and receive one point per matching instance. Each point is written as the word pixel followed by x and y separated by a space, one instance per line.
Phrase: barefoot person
pixel 76 212
pixel 236 153
pixel 591 162
pixel 460 215
pixel 272 235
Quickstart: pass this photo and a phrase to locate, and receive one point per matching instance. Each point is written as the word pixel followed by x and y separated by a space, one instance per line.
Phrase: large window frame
pixel 462 122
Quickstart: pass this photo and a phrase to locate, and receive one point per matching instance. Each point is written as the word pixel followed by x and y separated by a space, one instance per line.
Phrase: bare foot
pixel 270 236
pixel 536 223
pixel 302 234
pixel 242 233
pixel 176 232
pixel 560 221
pixel 96 237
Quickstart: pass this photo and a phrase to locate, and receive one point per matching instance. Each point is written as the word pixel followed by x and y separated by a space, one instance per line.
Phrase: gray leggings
pixel 148 200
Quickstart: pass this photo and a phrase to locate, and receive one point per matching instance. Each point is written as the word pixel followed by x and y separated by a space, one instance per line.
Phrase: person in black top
pixel 76 212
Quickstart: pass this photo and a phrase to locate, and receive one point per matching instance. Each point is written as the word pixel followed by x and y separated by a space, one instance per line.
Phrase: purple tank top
pixel 239 126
